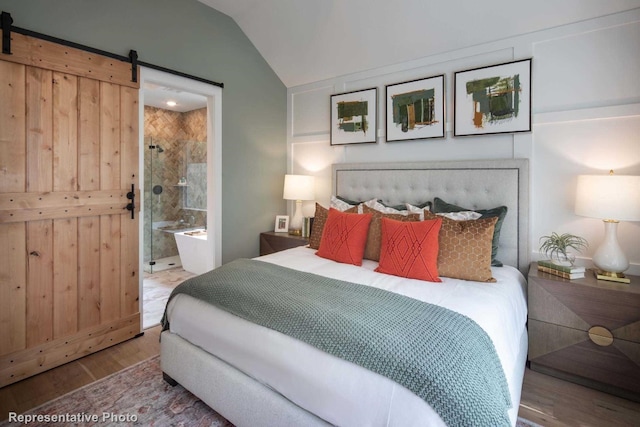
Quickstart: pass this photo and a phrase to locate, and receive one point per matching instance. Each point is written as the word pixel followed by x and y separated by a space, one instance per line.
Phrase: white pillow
pixel 461 216
pixel 417 210
pixel 375 204
pixel 339 204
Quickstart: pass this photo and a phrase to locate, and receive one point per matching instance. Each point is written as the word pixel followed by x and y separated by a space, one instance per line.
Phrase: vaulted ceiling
pixel 311 40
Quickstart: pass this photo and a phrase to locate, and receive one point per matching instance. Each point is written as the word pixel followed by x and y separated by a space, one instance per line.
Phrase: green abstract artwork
pixel 413 109
pixel 352 116
pixel 495 99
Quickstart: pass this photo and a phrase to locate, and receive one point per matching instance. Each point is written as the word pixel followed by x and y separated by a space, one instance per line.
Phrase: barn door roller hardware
pixel 133 57
pixel 6 20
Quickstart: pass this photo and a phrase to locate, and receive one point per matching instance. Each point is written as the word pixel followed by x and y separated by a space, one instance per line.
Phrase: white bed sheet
pixel 338 391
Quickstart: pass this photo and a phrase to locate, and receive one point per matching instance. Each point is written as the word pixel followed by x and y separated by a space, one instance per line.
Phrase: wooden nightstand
pixel 271 242
pixel 586 331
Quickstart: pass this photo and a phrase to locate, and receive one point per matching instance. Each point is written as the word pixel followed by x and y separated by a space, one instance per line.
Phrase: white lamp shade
pixel 613 197
pixel 298 187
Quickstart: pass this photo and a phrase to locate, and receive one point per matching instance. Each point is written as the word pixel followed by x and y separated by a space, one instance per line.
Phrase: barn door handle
pixel 131 195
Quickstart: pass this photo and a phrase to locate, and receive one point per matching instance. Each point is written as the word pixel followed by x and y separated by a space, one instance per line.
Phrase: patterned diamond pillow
pixel 374 238
pixel 318 225
pixel 440 206
pixel 465 248
pixel 344 237
pixel 410 249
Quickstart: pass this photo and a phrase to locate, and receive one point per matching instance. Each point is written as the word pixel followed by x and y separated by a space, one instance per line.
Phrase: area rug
pixel 134 396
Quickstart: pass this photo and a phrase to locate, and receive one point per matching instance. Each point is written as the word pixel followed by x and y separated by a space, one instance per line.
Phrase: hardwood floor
pixel 545 400
pixel 34 391
pixel 552 402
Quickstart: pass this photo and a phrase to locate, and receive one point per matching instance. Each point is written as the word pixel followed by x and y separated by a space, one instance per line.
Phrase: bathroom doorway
pixel 175 177
pixel 180 156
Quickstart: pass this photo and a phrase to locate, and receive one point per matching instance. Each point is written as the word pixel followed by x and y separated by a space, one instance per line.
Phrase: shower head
pixel 160 149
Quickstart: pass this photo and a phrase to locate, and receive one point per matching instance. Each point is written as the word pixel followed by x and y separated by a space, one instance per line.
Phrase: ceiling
pixel 156 95
pixel 311 40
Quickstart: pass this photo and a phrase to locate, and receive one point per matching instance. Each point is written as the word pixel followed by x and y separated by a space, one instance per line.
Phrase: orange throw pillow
pixel 410 249
pixel 344 237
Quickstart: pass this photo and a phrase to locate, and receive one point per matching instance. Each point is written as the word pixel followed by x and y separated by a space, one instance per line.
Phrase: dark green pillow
pixel 351 202
pixel 440 206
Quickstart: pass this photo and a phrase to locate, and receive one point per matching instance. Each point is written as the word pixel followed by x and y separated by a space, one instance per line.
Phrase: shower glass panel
pixel 195 195
pixel 163 201
pixel 175 197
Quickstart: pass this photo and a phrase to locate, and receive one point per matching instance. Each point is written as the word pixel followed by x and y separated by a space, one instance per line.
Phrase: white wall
pixel 586 119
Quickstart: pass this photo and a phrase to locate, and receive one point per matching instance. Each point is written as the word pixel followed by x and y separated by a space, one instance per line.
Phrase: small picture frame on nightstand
pixel 282 224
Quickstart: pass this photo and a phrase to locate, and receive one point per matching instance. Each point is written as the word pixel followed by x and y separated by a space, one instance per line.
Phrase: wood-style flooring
pixel 41 388
pixel 546 400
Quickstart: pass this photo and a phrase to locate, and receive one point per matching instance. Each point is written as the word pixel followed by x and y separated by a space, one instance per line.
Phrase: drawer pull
pixel 600 336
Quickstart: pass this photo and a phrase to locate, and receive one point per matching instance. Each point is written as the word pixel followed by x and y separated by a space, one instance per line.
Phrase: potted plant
pixel 555 247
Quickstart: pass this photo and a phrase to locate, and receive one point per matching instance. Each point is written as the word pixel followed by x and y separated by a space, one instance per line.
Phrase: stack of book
pixel 567 272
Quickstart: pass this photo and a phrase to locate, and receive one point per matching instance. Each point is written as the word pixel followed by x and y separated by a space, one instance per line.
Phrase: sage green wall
pixel 187 36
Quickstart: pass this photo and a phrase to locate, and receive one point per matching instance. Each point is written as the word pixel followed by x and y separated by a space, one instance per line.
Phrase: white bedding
pixel 340 392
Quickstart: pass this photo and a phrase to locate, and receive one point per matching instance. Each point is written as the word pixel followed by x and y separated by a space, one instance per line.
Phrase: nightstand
pixel 586 331
pixel 271 242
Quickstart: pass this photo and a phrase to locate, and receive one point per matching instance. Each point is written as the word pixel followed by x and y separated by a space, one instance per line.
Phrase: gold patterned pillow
pixel 465 248
pixel 374 238
pixel 318 224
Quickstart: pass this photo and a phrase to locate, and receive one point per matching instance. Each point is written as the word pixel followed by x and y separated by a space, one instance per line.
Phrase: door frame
pixel 214 156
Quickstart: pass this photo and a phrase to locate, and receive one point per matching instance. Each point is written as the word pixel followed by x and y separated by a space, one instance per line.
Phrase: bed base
pixel 247 402
pixel 234 395
pixel 169 380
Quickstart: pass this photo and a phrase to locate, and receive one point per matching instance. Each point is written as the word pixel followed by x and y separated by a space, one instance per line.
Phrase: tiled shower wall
pixel 183 138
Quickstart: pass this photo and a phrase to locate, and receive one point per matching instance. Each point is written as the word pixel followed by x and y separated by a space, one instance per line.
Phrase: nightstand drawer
pixel 570 354
pixel 582 304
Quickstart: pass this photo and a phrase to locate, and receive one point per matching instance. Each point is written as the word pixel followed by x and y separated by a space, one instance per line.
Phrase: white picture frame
pixel 282 224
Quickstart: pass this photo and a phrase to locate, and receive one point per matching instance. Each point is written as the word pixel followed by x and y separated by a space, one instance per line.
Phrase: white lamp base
pixel 609 258
pixel 295 226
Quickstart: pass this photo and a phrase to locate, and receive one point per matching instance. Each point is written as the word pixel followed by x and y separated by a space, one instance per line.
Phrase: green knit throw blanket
pixel 442 356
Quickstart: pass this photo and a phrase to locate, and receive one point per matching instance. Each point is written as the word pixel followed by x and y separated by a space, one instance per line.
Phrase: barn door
pixel 68 245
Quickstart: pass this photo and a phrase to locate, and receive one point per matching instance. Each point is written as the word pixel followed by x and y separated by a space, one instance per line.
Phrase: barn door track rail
pixel 8 28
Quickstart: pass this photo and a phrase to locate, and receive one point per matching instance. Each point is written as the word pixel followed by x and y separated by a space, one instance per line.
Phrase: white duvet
pixel 340 392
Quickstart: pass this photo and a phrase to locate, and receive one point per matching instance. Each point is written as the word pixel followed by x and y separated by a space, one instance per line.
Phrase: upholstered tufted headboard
pixel 474 184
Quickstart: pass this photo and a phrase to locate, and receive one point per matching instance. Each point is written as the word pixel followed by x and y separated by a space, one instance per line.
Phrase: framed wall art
pixel 494 99
pixel 354 117
pixel 415 109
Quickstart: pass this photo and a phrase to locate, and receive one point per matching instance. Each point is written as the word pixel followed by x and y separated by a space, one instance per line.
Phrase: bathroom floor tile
pixel 156 290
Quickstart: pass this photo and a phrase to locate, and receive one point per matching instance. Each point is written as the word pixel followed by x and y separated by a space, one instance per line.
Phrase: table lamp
pixel 612 198
pixel 298 188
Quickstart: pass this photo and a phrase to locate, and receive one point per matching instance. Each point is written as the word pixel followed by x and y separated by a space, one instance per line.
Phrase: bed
pixel 254 375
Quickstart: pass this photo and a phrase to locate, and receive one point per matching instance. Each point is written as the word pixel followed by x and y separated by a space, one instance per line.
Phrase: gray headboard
pixel 473 184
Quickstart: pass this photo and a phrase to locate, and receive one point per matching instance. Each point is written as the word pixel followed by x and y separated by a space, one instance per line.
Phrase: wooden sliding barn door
pixel 68 245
